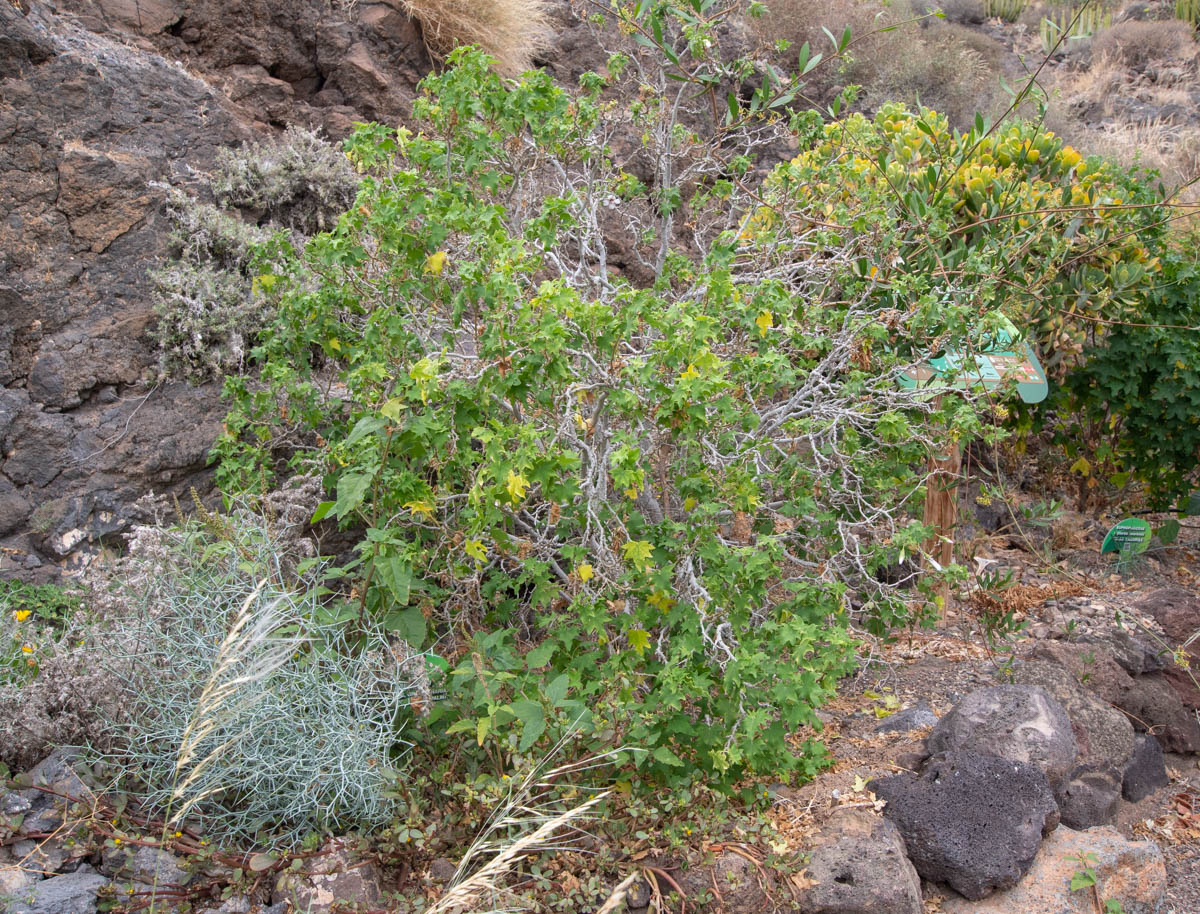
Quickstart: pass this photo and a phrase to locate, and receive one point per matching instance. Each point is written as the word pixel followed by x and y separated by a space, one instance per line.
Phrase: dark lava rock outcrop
pixel 973 821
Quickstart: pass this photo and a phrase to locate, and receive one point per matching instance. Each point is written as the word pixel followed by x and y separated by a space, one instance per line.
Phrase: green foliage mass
pixel 649 502
pixel 1015 225
pixel 1005 216
pixel 643 506
pixel 1131 410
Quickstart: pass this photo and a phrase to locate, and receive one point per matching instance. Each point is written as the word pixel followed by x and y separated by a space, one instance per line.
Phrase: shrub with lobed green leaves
pixel 621 435
pixel 642 510
pixel 1130 414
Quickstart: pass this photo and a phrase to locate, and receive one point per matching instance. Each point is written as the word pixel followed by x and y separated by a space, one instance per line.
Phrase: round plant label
pixel 1130 537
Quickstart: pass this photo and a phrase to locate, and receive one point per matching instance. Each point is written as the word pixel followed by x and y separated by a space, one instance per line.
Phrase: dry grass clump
pixel 1127 103
pixel 800 21
pixel 970 11
pixel 1171 150
pixel 511 31
pixel 943 65
pixel 528 822
pixel 1139 45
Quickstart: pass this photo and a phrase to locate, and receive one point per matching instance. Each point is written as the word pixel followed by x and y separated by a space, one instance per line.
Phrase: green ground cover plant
pixel 32 617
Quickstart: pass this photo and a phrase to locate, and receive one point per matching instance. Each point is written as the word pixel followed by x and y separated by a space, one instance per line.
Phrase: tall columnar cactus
pixel 1077 23
pixel 1188 11
pixel 1008 10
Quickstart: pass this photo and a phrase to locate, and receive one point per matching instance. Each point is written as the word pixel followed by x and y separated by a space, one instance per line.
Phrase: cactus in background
pixel 1188 11
pixel 1008 10
pixel 1077 23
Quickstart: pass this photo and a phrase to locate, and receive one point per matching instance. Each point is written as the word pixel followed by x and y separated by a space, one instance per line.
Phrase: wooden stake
pixel 941 509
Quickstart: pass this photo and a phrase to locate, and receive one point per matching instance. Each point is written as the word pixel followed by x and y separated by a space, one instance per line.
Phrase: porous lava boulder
pixel 1136 655
pixel 857 865
pixel 1176 609
pixel 1146 771
pixel 1130 872
pixel 1020 723
pixel 1103 734
pixel 1090 796
pixel 1093 665
pixel 973 821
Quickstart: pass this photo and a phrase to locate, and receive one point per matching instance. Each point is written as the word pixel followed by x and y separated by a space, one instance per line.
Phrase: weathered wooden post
pixel 941 501
pixel 988 369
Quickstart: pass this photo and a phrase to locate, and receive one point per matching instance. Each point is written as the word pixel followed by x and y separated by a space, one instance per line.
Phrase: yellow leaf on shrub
pixel 435 263
pixel 586 572
pixel 765 321
pixel 392 409
pixel 639 640
pixel 638 552
pixel 517 485
pixel 1081 467
pixel 423 507
pixel 660 601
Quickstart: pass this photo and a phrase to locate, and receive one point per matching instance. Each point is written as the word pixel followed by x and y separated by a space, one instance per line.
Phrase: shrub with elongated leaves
pixel 1024 225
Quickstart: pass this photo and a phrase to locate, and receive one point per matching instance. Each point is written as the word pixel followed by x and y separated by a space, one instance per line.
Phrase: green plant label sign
pixel 1131 536
pixel 986 369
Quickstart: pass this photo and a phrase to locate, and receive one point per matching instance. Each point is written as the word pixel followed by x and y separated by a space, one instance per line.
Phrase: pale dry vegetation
pixel 511 31
pixel 1132 97
pixel 941 64
pixel 1138 46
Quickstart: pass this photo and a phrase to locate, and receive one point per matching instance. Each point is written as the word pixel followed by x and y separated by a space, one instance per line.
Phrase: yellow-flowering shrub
pixel 1068 239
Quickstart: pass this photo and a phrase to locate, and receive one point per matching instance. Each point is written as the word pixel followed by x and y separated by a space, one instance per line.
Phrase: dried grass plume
pixel 512 31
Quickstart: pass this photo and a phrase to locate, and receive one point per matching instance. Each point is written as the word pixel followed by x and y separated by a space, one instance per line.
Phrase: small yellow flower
pixel 27 647
pixel 20 614
pixel 116 840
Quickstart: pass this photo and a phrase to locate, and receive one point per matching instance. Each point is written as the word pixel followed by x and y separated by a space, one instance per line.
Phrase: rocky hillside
pixel 102 102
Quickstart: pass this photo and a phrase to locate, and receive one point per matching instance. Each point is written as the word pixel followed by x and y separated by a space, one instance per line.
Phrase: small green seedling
pixel 1085 878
